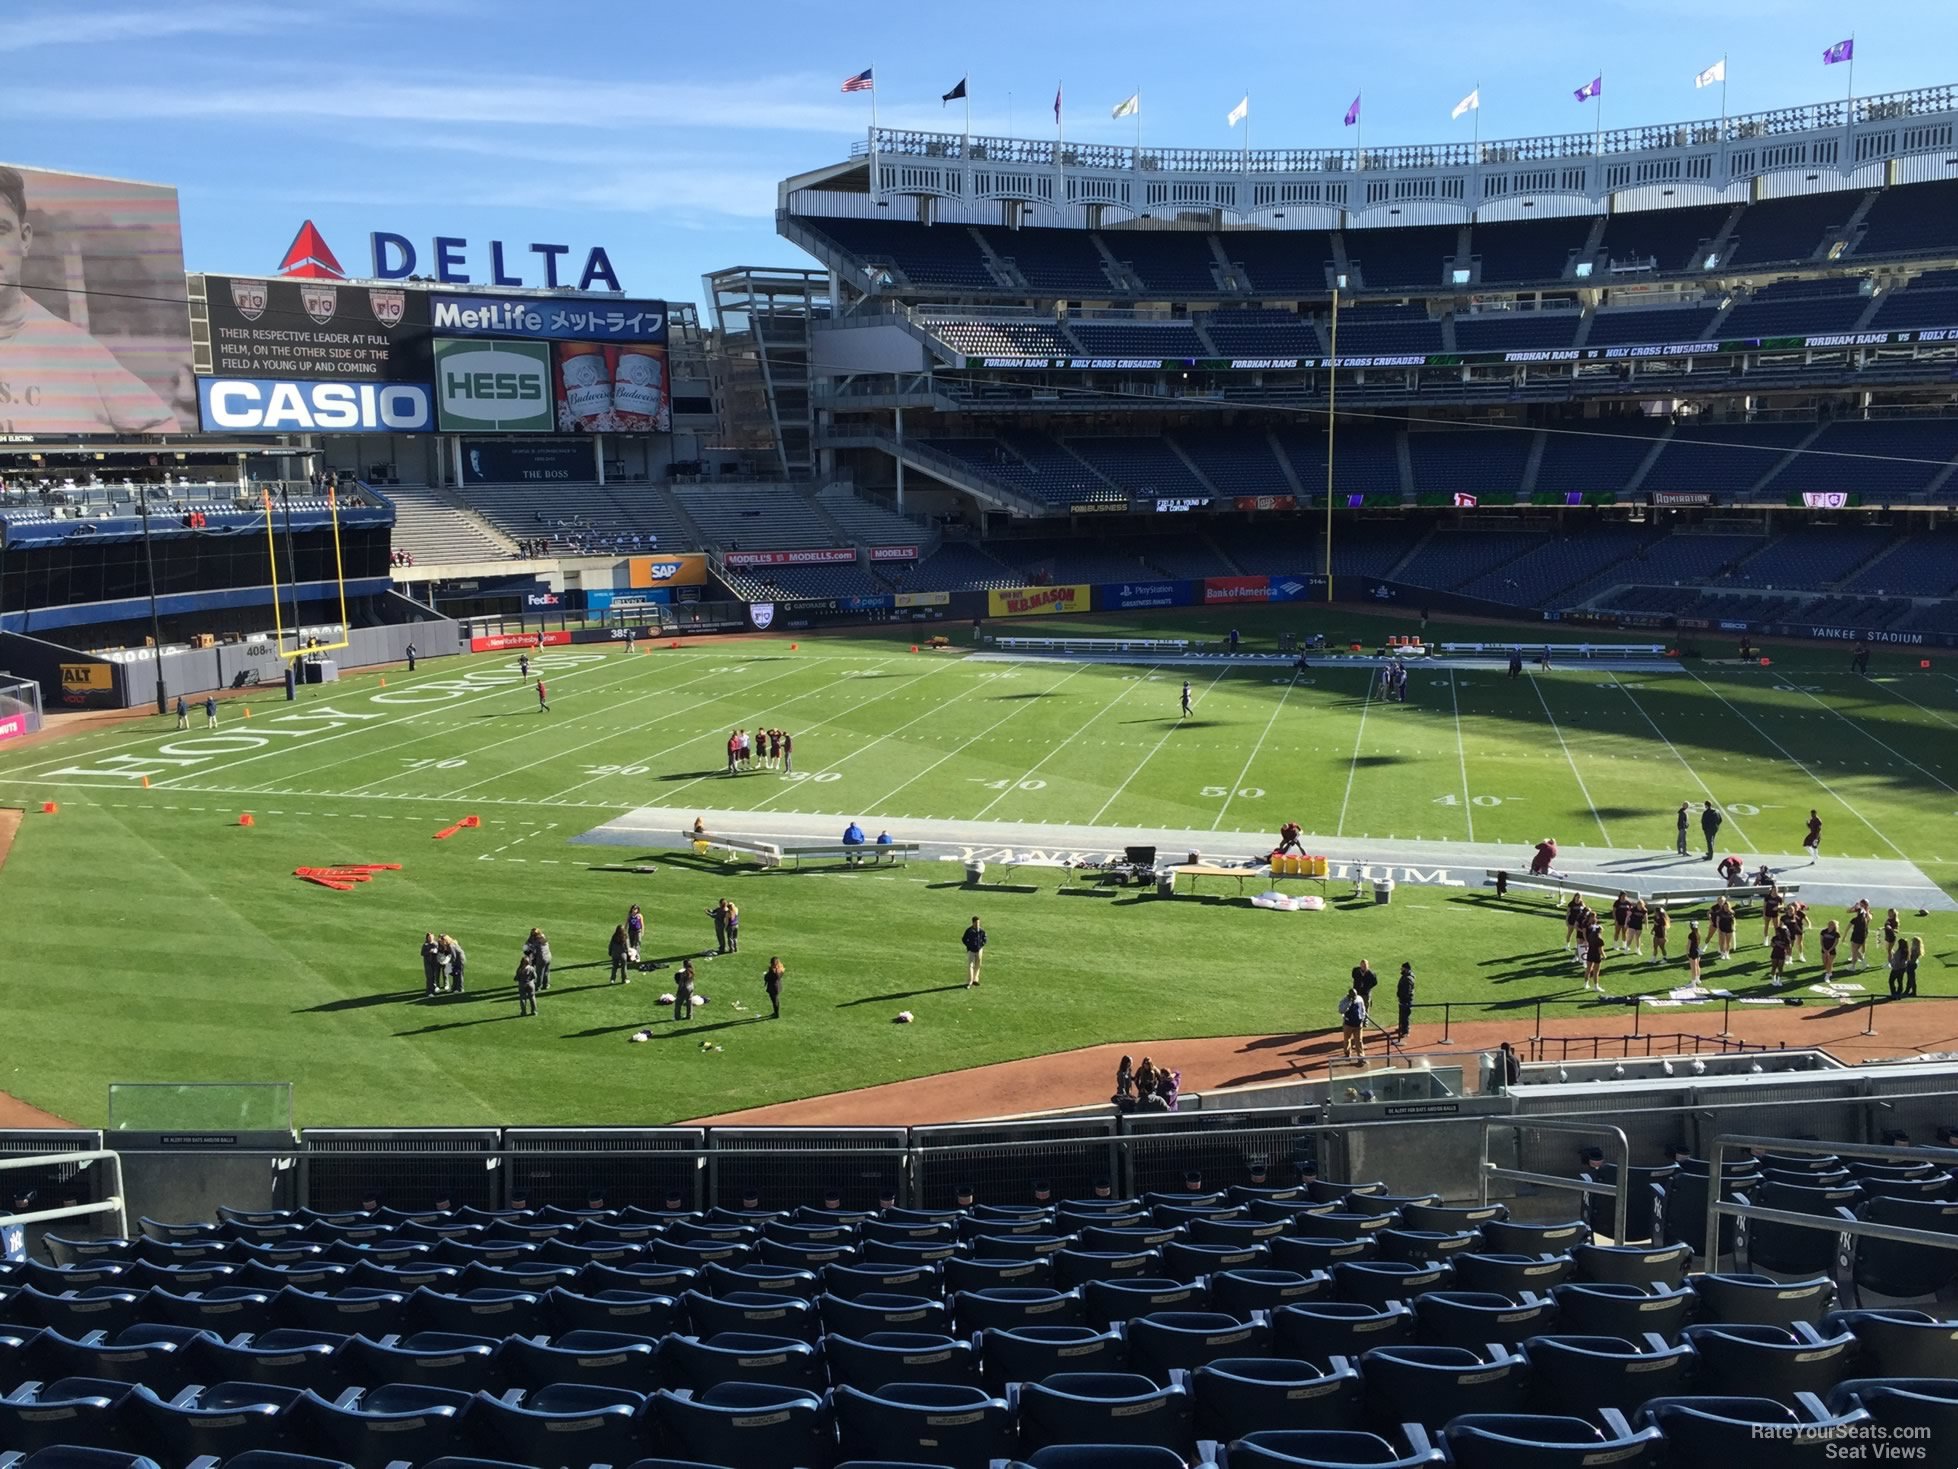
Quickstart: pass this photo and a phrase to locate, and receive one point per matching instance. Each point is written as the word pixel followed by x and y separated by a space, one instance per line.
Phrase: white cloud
pixel 76 25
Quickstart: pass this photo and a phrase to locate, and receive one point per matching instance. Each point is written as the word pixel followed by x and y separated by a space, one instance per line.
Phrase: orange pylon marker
pixel 247 820
pixel 146 782
pixel 48 808
pixel 248 711
pixel 384 680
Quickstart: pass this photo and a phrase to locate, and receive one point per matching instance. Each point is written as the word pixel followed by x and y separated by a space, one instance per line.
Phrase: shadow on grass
pixel 680 775
pixel 1179 723
pixel 461 1024
pixel 899 995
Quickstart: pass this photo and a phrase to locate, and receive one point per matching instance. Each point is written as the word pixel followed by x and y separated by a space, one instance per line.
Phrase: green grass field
pixel 151 938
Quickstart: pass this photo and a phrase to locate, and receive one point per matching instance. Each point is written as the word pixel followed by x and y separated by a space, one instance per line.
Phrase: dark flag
pixel 953 95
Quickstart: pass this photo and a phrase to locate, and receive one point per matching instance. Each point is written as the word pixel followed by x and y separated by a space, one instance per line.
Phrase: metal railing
pixel 1716 1206
pixel 1619 1191
pixel 112 1204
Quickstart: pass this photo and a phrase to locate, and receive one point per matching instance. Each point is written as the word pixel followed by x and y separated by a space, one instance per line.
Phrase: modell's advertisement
pixel 94 329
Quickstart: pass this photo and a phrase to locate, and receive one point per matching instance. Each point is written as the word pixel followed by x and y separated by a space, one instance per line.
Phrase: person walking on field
pixel 975 951
pixel 683 991
pixel 523 665
pixel 183 713
pixel 526 986
pixel 210 711
pixel 617 951
pixel 1812 843
pixel 1404 993
pixel 719 914
pixel 1684 820
pixel 1710 819
pixel 771 983
pixel 1859 934
pixel 1186 696
pixel 543 701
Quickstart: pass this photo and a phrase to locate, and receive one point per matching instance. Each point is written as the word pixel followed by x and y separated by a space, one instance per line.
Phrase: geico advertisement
pixel 1032 601
pixel 284 406
pixel 494 387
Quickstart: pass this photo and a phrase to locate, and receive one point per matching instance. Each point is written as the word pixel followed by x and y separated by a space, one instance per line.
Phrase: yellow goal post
pixel 339 579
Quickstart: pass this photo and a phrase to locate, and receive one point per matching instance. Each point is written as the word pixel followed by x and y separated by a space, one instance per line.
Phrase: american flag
pixel 861 82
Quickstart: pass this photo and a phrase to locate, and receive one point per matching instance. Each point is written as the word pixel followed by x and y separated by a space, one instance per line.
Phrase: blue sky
pixel 660 131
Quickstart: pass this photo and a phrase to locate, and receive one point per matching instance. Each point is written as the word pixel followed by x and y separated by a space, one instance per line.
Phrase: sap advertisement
pixel 94 333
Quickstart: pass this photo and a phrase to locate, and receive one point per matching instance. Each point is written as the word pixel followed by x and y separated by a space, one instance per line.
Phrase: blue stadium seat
pixel 182 1279
pixel 963 1272
pixel 1105 1408
pixel 1736 1359
pixel 959 1427
pixel 565 1423
pixel 1235 1233
pixel 1522 1441
pixel 734 1356
pixel 1298 1211
pixel 284 1357
pixel 67 1410
pixel 635 1313
pixel 1099 1456
pixel 1239 1395
pixel 1451 1219
pixel 1632 1264
pixel 973 1229
pixel 1164 1342
pixel 277 1459
pixel 1587 1373
pixel 1345 1224
pixel 1464 1318
pixel 805 1256
pixel 909 1278
pixel 1015 1306
pixel 1110 1301
pixel 382 1425
pixel 1430 1385
pixel 1242 1291
pixel 1016 1246
pixel 1899 1343
pixel 1479 1270
pixel 879 1252
pixel 74 1250
pixel 1191 1262
pixel 914 1232
pixel 1030 1353
pixel 1509 1236
pixel 1300 1252
pixel 603 1358
pixel 1330 1448
pixel 1706 1432
pixel 1321 1330
pixel 1761 1300
pixel 659 1277
pixel 225 1311
pixel 1078 1267
pixel 350 1310
pixel 527 1277
pixel 223 1419
pixel 98 1308
pixel 700 1232
pixel 168 1358
pixel 456 1363
pixel 1790 1249
pixel 760 1312
pixel 75 1456
pixel 693 1256
pixel 316 1275
pixel 881 1311
pixel 1884 1267
pixel 168 1233
pixel 1376 1282
pixel 747 1425
pixel 480 1312
pixel 1623 1310
pixel 1908 1409
pixel 883 1357
pixel 1421 1247
pixel 1125 1238
pixel 1367 1201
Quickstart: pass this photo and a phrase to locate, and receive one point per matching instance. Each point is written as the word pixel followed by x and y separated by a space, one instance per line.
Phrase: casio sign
pixel 279 406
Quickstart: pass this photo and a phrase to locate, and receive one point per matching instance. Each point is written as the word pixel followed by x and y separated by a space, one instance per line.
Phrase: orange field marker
pixel 247 819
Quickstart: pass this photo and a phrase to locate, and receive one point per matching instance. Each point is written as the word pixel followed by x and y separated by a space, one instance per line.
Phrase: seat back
pixel 1430 1385
pixel 956 1427
pixel 1590 1373
pixel 1899 1343
pixel 1029 1353
pixel 1106 1408
pixel 884 1357
pixel 742 1425
pixel 1240 1395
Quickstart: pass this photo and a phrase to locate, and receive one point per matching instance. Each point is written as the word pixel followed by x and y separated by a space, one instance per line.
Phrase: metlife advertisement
pixel 549 320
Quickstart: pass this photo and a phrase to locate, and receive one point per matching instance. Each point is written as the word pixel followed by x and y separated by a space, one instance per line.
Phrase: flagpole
pixel 1332 391
pixel 1849 102
pixel 1138 124
pixel 1245 164
pixel 873 98
pixel 1477 144
pixel 1723 96
pixel 965 150
pixel 1597 143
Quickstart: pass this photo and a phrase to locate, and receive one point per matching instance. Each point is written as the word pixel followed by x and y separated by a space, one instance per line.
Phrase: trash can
pixel 1165 884
pixel 1383 890
pixel 975 873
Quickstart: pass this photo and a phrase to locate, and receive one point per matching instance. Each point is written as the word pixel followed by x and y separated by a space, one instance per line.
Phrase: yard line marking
pixel 1881 745
pixel 1353 765
pixel 1556 730
pixel 1912 702
pixel 1063 743
pixel 1078 668
pixel 1798 764
pixel 1461 751
pixel 1238 784
pixel 1153 749
pixel 1706 789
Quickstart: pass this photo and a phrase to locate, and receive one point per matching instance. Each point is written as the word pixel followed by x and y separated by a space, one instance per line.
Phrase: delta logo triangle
pixel 309 257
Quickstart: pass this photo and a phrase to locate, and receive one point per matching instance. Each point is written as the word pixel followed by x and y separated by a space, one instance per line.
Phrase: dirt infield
pixel 1085 1077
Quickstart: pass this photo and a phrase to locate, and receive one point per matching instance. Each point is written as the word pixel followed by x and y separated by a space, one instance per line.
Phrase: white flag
pixel 1238 113
pixel 1469 103
pixel 1128 108
pixel 1714 73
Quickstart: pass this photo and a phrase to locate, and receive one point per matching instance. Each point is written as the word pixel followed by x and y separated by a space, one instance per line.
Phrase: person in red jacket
pixel 543 704
pixel 1546 853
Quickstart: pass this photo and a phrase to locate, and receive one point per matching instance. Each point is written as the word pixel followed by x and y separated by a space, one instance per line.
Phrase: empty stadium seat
pixel 1898 1343
pixel 736 1356
pixel 223 1419
pixel 1460 1318
pixel 1709 1432
pixel 1476 1270
pixel 630 1312
pixel 1313 1253
pixel 912 1278
pixel 1586 1373
pixel 963 1272
pixel 958 1427
pixel 1164 1341
pixel 1430 1385
pixel 565 1423
pixel 1631 1264
pixel 760 1312
pixel 1905 1409
pixel 1766 1245
pixel 1522 1441
pixel 1892 1268
pixel 1321 1330
pixel 1239 1395
pixel 1105 1408
pixel 877 1311
pixel 1241 1291
pixel 747 1425
pixel 601 1358
pixel 1110 1301
pixel 1331 1448
pixel 1079 1267
pixel 1623 1310
pixel 882 1357
pixel 67 1410
pixel 379 1426
pixel 1017 1306
pixel 1376 1282
pixel 1760 1299
pixel 284 1357
pixel 1509 1236
pixel 465 1364
pixel 1768 1361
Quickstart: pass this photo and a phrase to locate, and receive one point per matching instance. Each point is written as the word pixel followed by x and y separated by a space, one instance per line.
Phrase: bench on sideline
pixel 867 854
pixel 1575 650
pixel 767 853
pixel 1263 872
pixel 1092 645
pixel 1562 885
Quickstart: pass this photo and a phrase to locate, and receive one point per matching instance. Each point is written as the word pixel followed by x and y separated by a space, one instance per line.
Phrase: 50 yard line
pixel 1353 765
pixel 1461 751
pixel 1153 751
pixel 1570 760
pixel 1231 795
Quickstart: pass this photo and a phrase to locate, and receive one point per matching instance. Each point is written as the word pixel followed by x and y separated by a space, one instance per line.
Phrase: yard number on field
pixel 615 769
pixel 1008 785
pixel 1248 793
pixel 1451 800
pixel 455 764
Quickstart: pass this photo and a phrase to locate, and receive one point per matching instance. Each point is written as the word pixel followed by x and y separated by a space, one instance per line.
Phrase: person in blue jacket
pixel 853 837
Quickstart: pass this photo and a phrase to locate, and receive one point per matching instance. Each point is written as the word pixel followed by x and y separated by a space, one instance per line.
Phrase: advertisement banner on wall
pixel 97 339
pixel 893 553
pixel 808 556
pixel 610 388
pixel 500 642
pixel 1218 589
pixel 1144 594
pixel 89 685
pixel 688 570
pixel 493 387
pixel 526 461
pixel 1036 601
pixel 316 330
pixel 572 319
pixel 232 405
pixel 12 727
pixel 922 599
pixel 1297 588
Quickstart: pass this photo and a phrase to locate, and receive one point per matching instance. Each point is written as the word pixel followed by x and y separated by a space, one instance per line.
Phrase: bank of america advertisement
pixel 494 387
pixel 94 329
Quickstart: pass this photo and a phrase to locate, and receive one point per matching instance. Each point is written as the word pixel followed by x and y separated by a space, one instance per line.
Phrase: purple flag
pixel 1841 51
pixel 1592 88
pixel 1353 113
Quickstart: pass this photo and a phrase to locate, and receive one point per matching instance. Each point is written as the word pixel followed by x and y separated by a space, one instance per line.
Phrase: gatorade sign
pixel 494 387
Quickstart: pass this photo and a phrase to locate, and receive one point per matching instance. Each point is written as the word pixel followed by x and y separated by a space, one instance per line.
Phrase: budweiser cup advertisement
pixel 613 388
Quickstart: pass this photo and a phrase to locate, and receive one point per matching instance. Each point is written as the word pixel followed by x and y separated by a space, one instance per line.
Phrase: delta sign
pixel 395 258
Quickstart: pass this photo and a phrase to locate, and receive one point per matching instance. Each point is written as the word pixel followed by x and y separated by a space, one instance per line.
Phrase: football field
pixel 171 943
